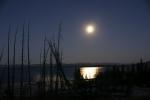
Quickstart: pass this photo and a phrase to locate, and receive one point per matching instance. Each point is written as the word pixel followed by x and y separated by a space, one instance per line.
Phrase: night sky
pixel 122 28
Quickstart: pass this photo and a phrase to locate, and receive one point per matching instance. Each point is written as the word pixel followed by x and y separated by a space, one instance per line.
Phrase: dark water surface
pixel 35 72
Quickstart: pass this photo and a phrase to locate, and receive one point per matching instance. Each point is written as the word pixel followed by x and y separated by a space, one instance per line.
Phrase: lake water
pixel 86 72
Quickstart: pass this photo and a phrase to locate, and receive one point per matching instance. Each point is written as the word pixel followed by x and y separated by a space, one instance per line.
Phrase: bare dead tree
pixel 57 49
pixel 29 66
pixel 51 72
pixel 8 64
pixel 61 79
pixel 60 71
pixel 43 71
pixel 22 64
pixel 59 35
pixel 40 78
pixel 41 62
pixel 14 63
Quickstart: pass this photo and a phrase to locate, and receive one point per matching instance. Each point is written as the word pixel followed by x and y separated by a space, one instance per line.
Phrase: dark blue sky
pixel 122 28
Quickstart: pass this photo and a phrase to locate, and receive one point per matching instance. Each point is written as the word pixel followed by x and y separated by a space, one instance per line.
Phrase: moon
pixel 90 29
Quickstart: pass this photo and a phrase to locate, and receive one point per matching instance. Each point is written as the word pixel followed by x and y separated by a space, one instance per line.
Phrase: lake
pixel 86 72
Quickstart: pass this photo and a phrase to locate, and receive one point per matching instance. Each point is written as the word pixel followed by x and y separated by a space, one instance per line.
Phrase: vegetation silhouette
pixel 118 82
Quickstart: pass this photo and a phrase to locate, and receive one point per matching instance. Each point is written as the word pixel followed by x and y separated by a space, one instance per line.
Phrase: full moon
pixel 90 29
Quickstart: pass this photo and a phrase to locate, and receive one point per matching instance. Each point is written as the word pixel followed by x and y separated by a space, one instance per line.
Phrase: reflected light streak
pixel 89 72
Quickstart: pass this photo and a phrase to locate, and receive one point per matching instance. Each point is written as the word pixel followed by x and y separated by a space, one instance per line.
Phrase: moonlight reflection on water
pixel 89 72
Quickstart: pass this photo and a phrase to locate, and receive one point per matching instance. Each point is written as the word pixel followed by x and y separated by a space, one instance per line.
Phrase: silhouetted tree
pixel 22 64
pixel 14 64
pixel 29 66
pixel 8 65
